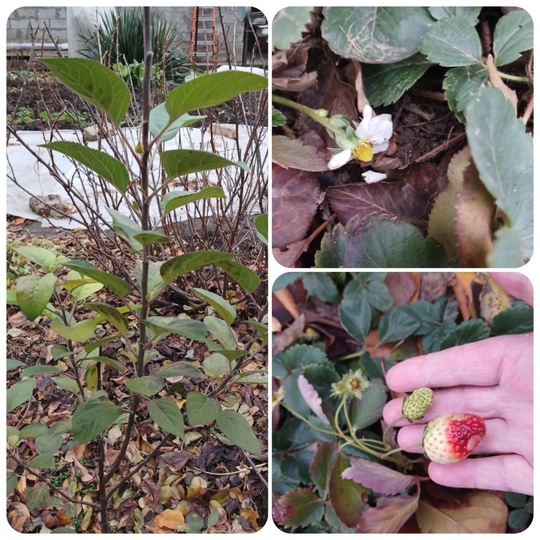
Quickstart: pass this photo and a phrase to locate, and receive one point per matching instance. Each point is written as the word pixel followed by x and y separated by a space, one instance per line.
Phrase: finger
pixel 475 364
pixel 500 438
pixel 501 473
pixel 515 284
pixel 486 402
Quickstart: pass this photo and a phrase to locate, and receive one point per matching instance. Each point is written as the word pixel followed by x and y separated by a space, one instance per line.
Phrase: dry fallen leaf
pixel 169 519
pixel 18 515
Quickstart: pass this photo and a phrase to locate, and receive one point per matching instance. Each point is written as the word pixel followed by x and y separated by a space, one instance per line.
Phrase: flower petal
pixel 311 397
pixel 381 128
pixel 380 147
pixel 339 159
pixel 371 177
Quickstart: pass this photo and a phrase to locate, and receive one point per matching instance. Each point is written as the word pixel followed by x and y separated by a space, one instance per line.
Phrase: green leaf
pixel 93 417
pixel 94 83
pixel 323 463
pixel 320 286
pixel 148 385
pixel 147 238
pixel 166 414
pixel 519 518
pixel 225 310
pixel 177 369
pixel 176 199
pixel 452 42
pixel 513 35
pixel 31 431
pixel 11 481
pixel 467 332
pixel 182 162
pixel 503 154
pixel 111 314
pixel 369 409
pixel 43 461
pixel 192 261
pixel 237 429
pixel 201 409
pixel 45 258
pixel 112 282
pixel 48 444
pixel 79 332
pixel 375 35
pixel 514 320
pixel 371 286
pixel 126 228
pixel 115 364
pixel 103 164
pixel 38 497
pixel 160 119
pixel 461 84
pixel 212 89
pixel 189 328
pixel 288 25
pixel 384 84
pixel 346 496
pixel 244 276
pixel 507 251
pixel 261 224
pixel 304 507
pixel 400 245
pixel 398 324
pixel 13 364
pixel 33 294
pixel 13 436
pixel 81 288
pixel 67 383
pixel 468 13
pixel 39 370
pixel 221 331
pixel 19 393
pixel 155 282
pixel 216 365
pixel 355 317
pixel 297 357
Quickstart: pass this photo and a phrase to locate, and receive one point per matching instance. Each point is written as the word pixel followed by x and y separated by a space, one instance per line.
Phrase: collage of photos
pixel 269 270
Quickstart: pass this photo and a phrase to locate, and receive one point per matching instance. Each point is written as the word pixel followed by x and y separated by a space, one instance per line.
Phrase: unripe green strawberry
pixel 452 437
pixel 415 406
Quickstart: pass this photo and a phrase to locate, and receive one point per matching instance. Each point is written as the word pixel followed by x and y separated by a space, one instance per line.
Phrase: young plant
pixel 93 309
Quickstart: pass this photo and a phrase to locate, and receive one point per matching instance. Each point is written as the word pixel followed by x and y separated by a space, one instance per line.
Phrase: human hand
pixel 492 378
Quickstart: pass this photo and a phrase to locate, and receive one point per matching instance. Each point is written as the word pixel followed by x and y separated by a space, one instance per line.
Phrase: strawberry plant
pixel 339 466
pixel 351 84
pixel 154 399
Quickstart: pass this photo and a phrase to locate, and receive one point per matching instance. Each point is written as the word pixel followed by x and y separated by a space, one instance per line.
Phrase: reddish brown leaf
pixel 295 199
pixel 390 514
pixel 55 519
pixel 176 460
pixel 410 199
pixel 18 515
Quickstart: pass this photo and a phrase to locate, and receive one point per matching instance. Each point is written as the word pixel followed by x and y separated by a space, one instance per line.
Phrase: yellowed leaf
pixel 170 519
pixel 197 487
pixel 493 299
pixel 18 515
pixel 474 512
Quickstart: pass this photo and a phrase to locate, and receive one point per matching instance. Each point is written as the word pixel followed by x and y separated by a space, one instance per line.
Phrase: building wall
pixel 28 25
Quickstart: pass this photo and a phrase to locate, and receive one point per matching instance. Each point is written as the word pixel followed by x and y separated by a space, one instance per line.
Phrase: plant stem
pixel 516 78
pixel 308 111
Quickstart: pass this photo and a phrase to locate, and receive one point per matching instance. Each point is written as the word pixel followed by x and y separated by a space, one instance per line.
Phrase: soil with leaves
pixel 336 467
pixel 202 483
pixel 451 185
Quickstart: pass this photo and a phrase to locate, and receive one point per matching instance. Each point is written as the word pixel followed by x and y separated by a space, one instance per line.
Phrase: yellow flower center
pixel 363 151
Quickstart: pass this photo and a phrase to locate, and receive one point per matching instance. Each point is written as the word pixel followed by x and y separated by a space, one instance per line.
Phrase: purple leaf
pixel 377 477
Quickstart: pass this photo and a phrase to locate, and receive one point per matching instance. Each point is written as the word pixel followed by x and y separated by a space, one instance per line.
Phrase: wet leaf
pixel 295 199
pixel 474 512
pixel 377 477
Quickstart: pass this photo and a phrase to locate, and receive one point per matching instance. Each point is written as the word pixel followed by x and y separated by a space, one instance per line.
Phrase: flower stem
pixel 308 111
pixel 516 78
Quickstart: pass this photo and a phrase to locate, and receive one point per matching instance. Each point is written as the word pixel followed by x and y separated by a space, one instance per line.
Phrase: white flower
pixel 371 177
pixel 372 137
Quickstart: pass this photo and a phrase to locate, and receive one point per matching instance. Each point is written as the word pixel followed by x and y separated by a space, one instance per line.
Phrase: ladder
pixel 203 40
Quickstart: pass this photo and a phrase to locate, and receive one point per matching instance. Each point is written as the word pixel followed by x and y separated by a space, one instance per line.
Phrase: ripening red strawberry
pixel 452 437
